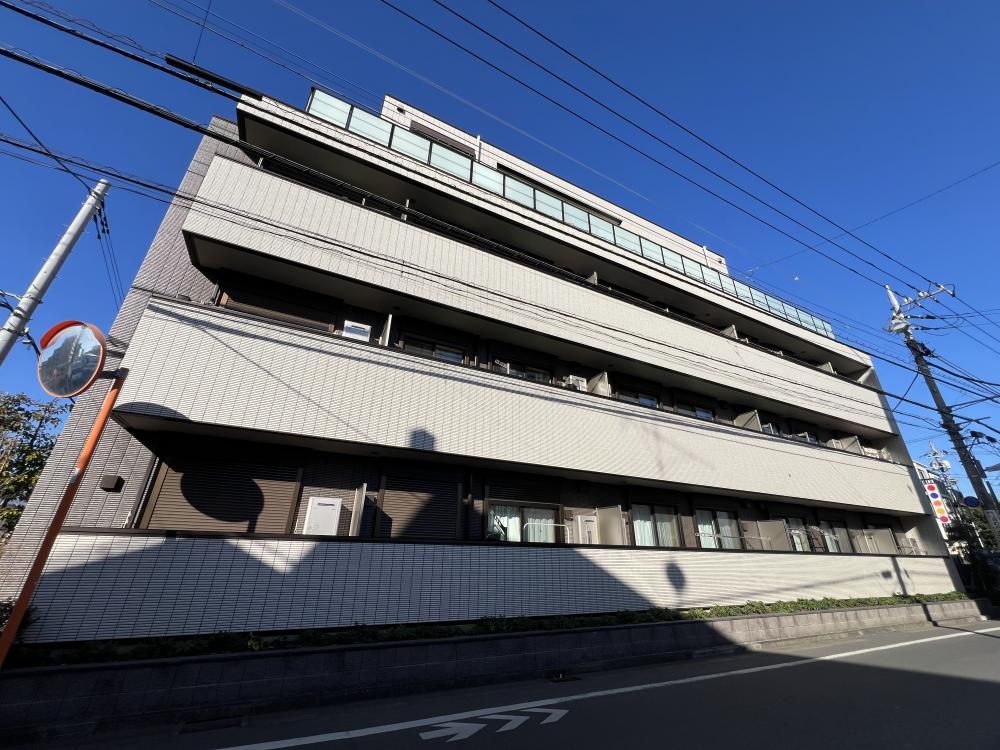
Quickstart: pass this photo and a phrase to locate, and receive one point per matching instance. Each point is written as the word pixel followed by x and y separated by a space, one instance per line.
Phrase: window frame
pixel 406 340
pixel 717 528
pixel 558 533
pixel 657 542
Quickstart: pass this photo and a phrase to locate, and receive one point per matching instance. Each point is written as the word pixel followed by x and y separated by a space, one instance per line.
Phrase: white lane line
pixel 418 723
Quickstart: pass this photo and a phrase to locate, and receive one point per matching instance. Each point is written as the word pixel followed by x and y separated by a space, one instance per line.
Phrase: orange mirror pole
pixel 9 632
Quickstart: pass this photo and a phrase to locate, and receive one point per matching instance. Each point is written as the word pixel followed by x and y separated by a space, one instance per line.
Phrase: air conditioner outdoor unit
pixel 576 381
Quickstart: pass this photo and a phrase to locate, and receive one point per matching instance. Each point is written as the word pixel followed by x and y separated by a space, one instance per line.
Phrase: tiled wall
pixel 312 128
pixel 211 366
pixel 123 585
pixel 387 253
pixel 166 269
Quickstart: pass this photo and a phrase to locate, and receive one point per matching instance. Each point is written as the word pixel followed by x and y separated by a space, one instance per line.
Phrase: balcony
pixel 365 157
pixel 195 368
pixel 276 229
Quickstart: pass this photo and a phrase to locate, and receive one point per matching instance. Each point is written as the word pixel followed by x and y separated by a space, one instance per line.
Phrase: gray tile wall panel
pixel 426 265
pixel 112 586
pixel 266 376
pixel 166 269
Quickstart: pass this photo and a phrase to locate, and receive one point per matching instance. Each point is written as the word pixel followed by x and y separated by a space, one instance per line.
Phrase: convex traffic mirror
pixel 72 357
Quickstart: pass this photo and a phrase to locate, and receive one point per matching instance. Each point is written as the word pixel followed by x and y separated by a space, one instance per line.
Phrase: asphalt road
pixel 937 688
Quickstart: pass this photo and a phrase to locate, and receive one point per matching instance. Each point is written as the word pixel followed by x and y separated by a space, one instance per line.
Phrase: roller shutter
pixel 423 507
pixel 222 495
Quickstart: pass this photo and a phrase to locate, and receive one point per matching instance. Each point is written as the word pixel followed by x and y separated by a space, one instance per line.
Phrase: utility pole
pixel 16 324
pixel 900 324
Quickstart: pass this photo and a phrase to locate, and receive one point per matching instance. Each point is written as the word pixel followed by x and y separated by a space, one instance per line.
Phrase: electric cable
pixel 163 113
pixel 732 159
pixel 767 375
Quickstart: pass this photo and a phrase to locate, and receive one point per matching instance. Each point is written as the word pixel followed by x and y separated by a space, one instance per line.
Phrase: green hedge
pixel 24 655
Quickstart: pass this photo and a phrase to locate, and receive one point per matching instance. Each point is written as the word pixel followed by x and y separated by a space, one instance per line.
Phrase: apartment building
pixel 389 372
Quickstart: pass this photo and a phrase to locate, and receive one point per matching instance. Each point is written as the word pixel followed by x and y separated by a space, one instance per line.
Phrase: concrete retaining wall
pixel 83 698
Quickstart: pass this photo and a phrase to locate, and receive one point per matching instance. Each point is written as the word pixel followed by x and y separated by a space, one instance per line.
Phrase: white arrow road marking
pixel 458 730
pixel 513 722
pixel 555 713
pixel 353 734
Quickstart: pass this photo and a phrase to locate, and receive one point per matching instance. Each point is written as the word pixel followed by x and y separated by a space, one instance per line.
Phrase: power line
pixel 121 96
pixel 242 43
pixel 631 122
pixel 201 31
pixel 326 242
pixel 573 113
pixel 737 162
pixel 36 139
pixel 107 255
pixel 698 137
pixel 170 71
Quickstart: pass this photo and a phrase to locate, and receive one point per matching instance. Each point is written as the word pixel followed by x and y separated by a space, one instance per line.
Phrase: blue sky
pixel 857 108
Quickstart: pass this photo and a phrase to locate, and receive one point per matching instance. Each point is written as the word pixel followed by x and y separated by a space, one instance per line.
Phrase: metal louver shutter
pixel 220 495
pixel 419 507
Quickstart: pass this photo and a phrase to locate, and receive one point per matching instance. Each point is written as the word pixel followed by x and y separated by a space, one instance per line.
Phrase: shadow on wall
pixel 120 585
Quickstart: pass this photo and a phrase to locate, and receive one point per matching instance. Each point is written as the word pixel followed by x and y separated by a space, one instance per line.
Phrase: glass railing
pixel 406 142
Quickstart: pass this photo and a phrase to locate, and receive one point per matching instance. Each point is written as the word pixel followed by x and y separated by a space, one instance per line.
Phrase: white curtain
pixel 642 526
pixel 666 528
pixel 505 520
pixel 706 529
pixel 729 529
pixel 539 525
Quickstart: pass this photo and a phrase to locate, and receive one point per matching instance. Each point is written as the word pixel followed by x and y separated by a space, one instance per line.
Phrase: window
pixel 712 278
pixel 519 192
pixel 692 268
pixel 770 428
pixel 370 126
pixel 797 534
pixel 627 240
pixel 435 350
pixel 700 412
pixel 410 144
pixel 636 397
pixel 358 331
pixel 655 526
pixel 651 250
pixel 774 305
pixel 576 217
pixel 329 108
pixel 838 541
pixel 537 374
pixel 672 260
pixel 516 523
pixel 548 205
pixel 603 229
pixel 487 178
pixel 759 299
pixel 743 291
pixel 450 161
pixel 717 529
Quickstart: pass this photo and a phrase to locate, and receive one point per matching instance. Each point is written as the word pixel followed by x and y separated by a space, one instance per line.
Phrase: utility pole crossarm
pixel 900 324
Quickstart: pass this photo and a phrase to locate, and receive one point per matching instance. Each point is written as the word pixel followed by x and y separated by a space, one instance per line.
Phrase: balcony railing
pixel 433 154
